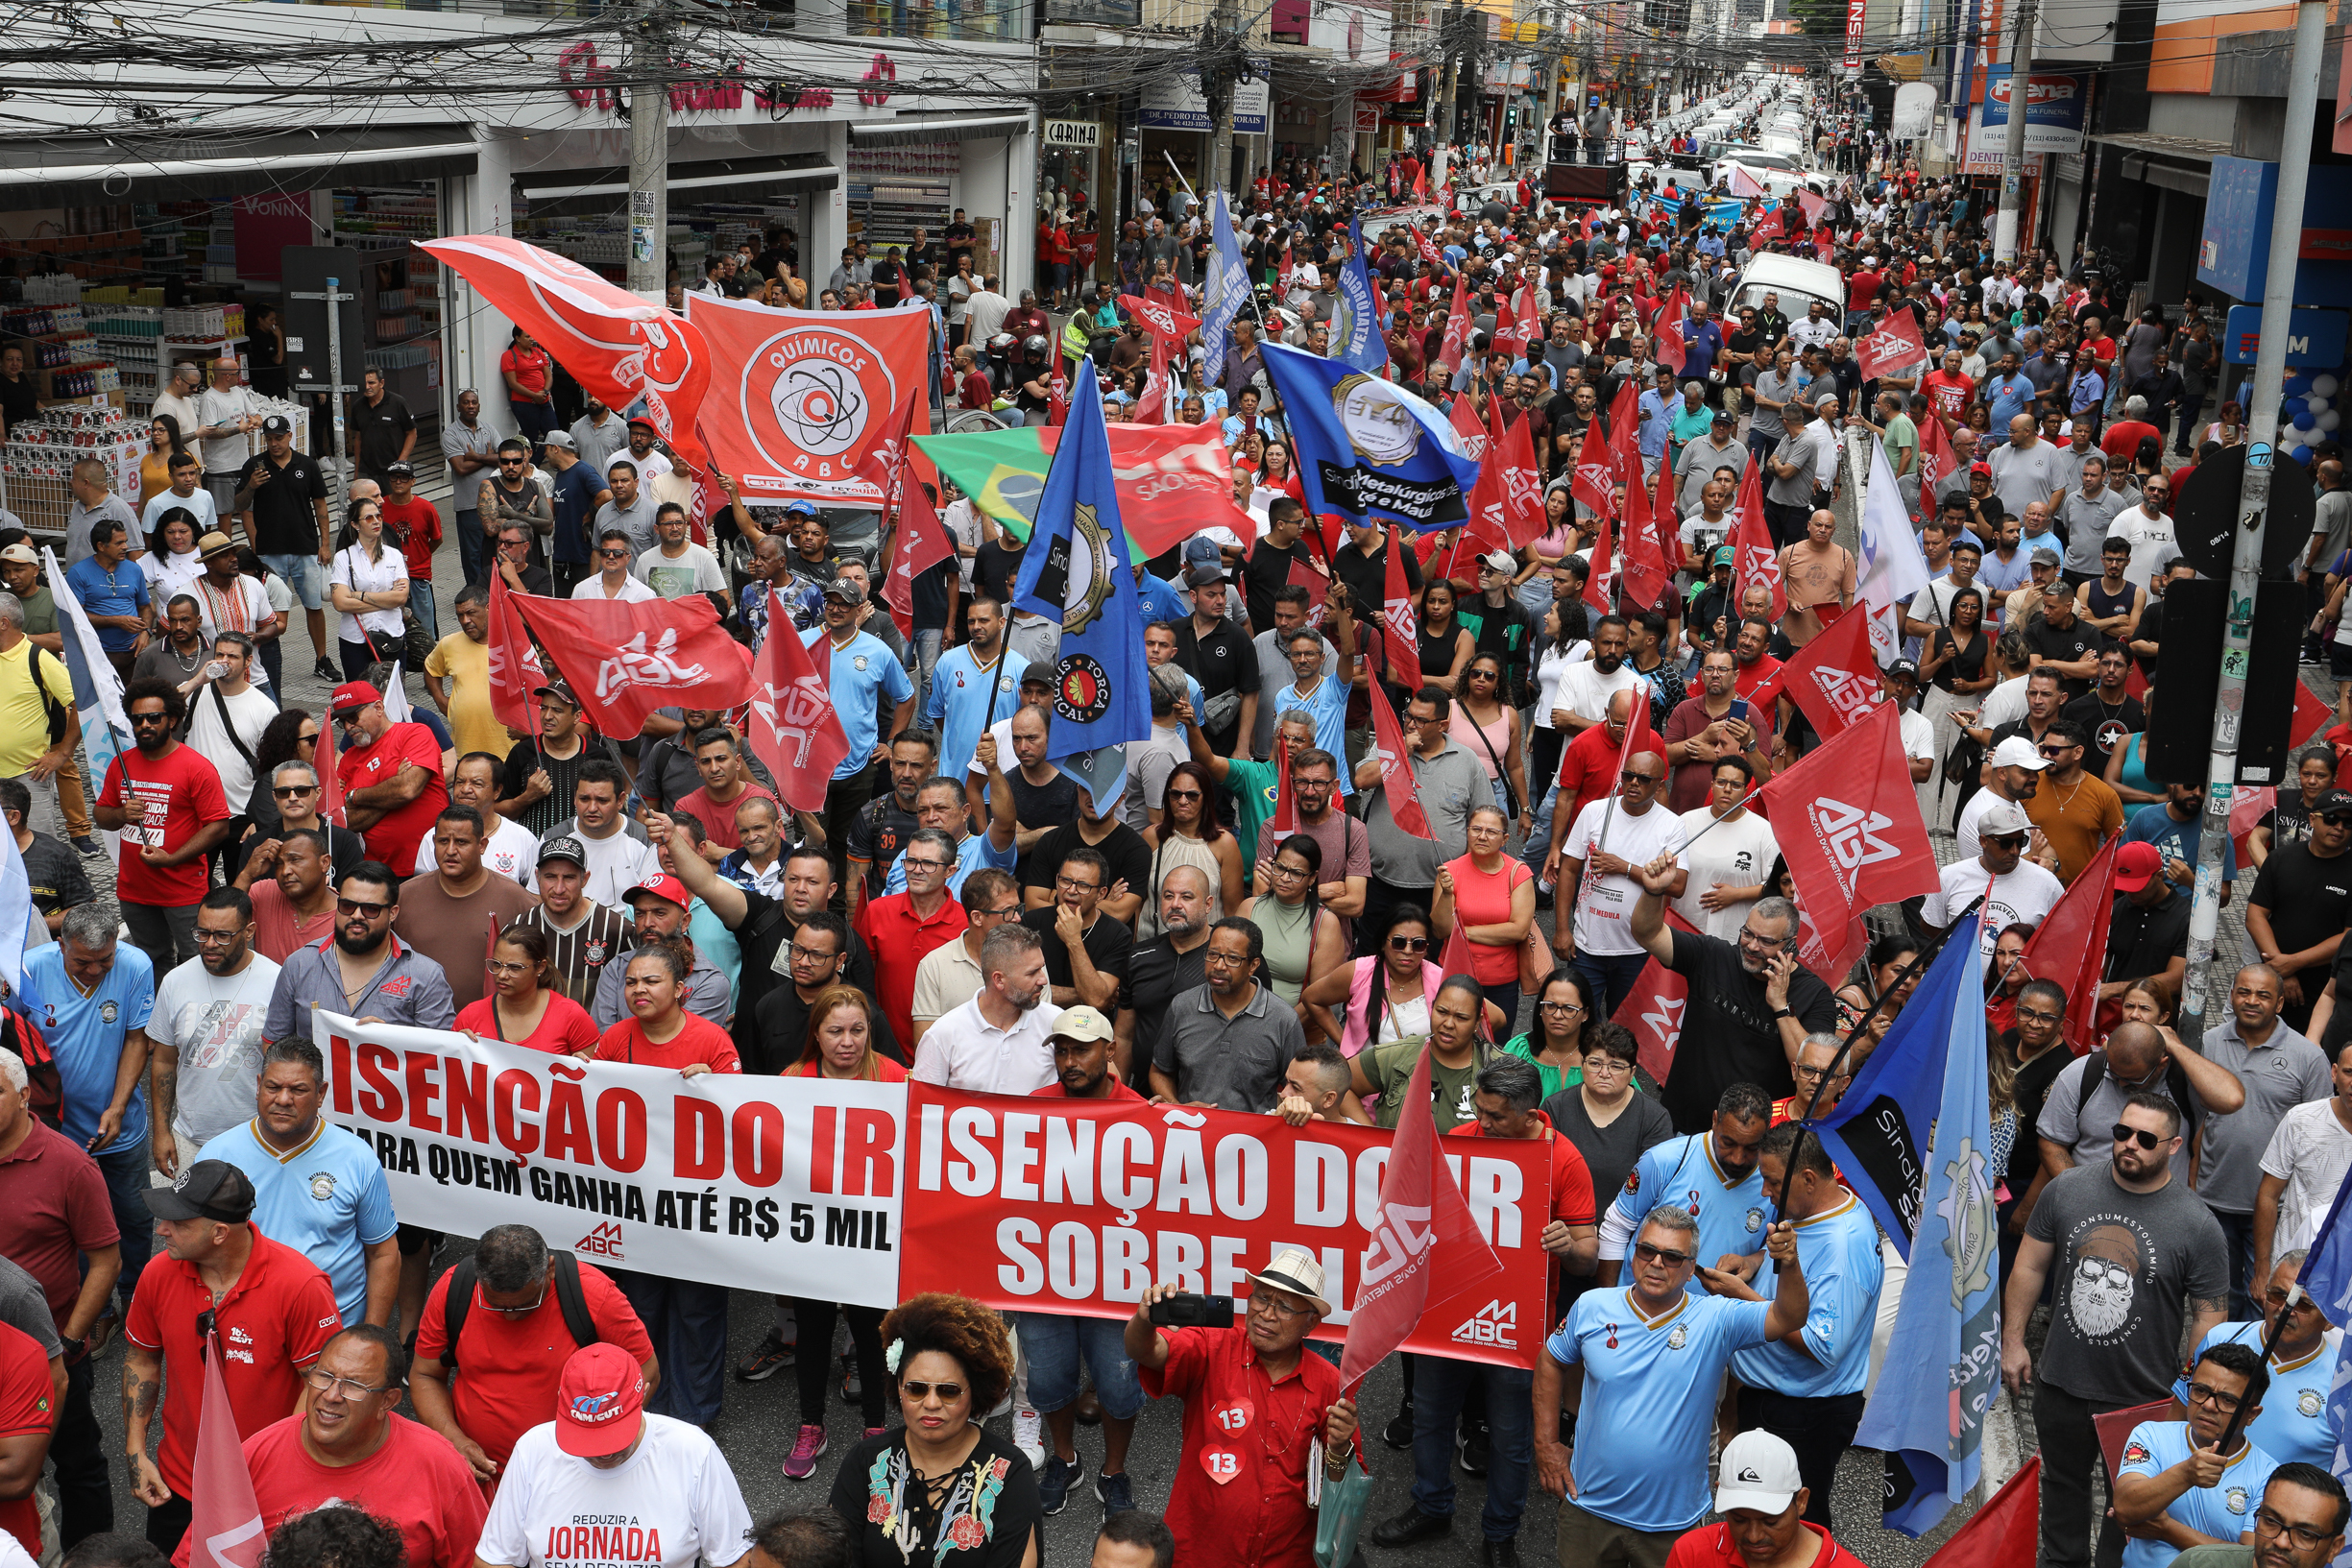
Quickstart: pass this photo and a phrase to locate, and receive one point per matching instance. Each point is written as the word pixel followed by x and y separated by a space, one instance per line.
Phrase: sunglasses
pixel 292 790
pixel 1410 944
pixel 353 906
pixel 1661 1254
pixel 2138 1135
pixel 948 1392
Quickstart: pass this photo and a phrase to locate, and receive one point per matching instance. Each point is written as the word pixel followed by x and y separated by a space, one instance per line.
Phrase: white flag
pixel 1893 566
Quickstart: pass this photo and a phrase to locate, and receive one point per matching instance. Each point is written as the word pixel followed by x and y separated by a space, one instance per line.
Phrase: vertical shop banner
pixel 800 397
pixel 785 1185
pixel 1072 1206
pixel 1858 17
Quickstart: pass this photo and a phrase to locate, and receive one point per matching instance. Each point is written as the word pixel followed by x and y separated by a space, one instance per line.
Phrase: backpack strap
pixel 454 1308
pixel 50 706
pixel 573 1300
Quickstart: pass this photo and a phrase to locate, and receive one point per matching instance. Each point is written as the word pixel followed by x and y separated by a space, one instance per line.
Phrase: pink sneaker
pixel 807 1449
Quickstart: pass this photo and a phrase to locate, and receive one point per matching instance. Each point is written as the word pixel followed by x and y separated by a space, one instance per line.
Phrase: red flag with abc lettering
pixel 1652 1010
pixel 794 727
pixel 626 662
pixel 1835 677
pixel 1399 626
pixel 515 671
pixel 1847 819
pixel 1395 769
pixel 1754 559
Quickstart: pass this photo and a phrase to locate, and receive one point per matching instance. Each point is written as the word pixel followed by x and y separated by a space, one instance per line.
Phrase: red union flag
pixel 1462 416
pixel 626 661
pixel 923 543
pixel 1589 484
pixel 1395 770
pixel 225 1530
pixel 1422 242
pixel 1892 345
pixel 1399 628
pixel 1457 326
pixel 1834 679
pixel 1173 480
pixel 800 397
pixel 1667 336
pixel 616 346
pixel 1652 1010
pixel 1847 819
pixel 515 671
pixel 794 727
pixel 1936 461
pixel 1163 318
pixel 2070 946
pixel 1754 561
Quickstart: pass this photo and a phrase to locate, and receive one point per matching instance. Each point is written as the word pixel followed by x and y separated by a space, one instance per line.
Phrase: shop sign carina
pixel 1072 135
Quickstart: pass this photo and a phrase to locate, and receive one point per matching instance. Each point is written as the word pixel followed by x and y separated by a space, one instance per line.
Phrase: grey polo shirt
pixel 80 518
pixel 2282 1073
pixel 2090 1132
pixel 636 522
pixel 1449 783
pixel 409 988
pixel 708 994
pixel 1236 1063
pixel 458 439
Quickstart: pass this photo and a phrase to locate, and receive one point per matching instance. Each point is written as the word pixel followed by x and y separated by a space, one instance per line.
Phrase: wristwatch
pixel 1778 1013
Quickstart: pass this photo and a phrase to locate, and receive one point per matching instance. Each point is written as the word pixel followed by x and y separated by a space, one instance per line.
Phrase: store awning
pixel 2181 164
pixel 94 170
pixel 600 187
pixel 907 133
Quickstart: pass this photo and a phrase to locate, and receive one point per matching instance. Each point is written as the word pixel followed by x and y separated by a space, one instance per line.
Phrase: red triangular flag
pixel 1457 326
pixel 1162 318
pixel 1894 344
pixel 923 543
pixel 331 781
pixel 1624 440
pixel 1652 1010
pixel 1462 416
pixel 1319 590
pixel 1668 334
pixel 1589 483
pixel 1645 557
pixel 225 1529
pixel 2070 946
pixel 1395 771
pixel 1151 408
pixel 515 671
pixel 2311 715
pixel 1425 1225
pixel 1523 521
pixel 1455 959
pixel 1754 559
pixel 1666 518
pixel 1597 585
pixel 793 728
pixel 1834 679
pixel 1399 628
pixel 1936 459
pixel 2005 1531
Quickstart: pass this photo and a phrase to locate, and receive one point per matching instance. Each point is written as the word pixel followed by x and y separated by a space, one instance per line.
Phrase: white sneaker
pixel 1028 1436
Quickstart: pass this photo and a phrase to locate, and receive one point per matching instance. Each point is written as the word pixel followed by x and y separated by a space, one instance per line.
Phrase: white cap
pixel 2002 818
pixel 1760 1471
pixel 2019 752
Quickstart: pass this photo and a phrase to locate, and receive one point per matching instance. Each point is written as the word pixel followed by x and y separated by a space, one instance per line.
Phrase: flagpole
pixel 2269 1345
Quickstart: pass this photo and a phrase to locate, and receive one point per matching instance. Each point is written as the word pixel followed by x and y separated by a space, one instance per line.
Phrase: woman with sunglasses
pixel 842 1031
pixel 522 1007
pixel 369 585
pixel 1302 939
pixel 1385 994
pixel 1483 722
pixel 2006 975
pixel 1492 897
pixel 1188 834
pixel 1559 1036
pixel 941 1490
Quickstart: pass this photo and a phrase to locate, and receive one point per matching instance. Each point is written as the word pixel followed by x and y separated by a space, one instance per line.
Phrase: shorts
pixel 2339 661
pixel 303 575
pixel 1052 1344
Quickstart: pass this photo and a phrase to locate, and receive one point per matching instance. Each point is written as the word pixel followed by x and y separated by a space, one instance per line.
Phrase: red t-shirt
pixel 700 1040
pixel 1571 1178
pixel 977 393
pixel 1710 1546
pixel 2121 439
pixel 530 367
pixel 564 1029
pixel 1862 288
pixel 396 836
pixel 1950 394
pixel 1484 898
pixel 900 940
pixel 719 821
pixel 170 799
pixel 507 1367
pixel 1055 1091
pixel 1588 768
pixel 1241 1483
pixel 278 932
pixel 25 1407
pixel 272 1325
pixel 885 1071
pixel 416 526
pixel 57 1210
pixel 416 1482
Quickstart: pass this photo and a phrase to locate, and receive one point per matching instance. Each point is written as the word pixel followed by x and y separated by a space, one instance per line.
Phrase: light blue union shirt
pixel 1651 1385
pixel 863 669
pixel 957 707
pixel 972 852
pixel 87 1035
pixel 1683 1171
pixel 2224 1512
pixel 1840 1253
pixel 324 1197
pixel 2292 1426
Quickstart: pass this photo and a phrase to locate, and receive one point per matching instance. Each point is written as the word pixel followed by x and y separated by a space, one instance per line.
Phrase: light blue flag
pixel 1919 1104
pixel 1367 449
pixel 2327 1279
pixel 1226 288
pixel 98 691
pixel 16 912
pixel 1077 571
pixel 1721 213
pixel 1355 311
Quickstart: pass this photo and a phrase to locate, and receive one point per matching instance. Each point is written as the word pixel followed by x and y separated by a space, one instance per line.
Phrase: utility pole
pixel 648 74
pixel 2254 497
pixel 2013 155
pixel 1218 76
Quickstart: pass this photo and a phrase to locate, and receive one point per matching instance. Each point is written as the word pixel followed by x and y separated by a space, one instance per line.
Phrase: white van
pixel 1796 281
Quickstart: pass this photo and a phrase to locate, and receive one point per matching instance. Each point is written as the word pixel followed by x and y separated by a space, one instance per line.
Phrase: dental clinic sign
pixel 2055 103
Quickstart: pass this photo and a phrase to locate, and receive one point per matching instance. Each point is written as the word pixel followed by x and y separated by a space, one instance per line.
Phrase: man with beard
pixel 883 825
pixel 2090 1091
pixel 1713 1175
pixel 999 1041
pixel 392 787
pixel 2015 890
pixel 171 798
pixel 366 971
pixel 2013 772
pixel 1164 968
pixel 2175 1487
pixel 205 1028
pixel 1229 1040
pixel 2125 1243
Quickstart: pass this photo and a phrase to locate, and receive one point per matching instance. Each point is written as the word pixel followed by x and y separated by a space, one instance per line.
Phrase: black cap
pixel 564 847
pixel 276 424
pixel 207 1190
pixel 2331 802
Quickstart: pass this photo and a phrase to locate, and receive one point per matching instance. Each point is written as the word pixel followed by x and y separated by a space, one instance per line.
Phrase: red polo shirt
pixel 57 1210
pixel 1589 767
pixel 899 940
pixel 272 1325
pixel 25 1407
pixel 1241 1486
pixel 1710 1546
pixel 395 837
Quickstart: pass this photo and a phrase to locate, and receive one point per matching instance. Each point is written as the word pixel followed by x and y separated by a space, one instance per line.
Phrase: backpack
pixel 53 709
pixel 569 1297
pixel 2175 1085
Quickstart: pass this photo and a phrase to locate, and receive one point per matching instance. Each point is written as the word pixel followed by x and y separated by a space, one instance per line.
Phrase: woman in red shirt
pixel 842 1039
pixel 660 1032
pixel 1492 897
pixel 523 1008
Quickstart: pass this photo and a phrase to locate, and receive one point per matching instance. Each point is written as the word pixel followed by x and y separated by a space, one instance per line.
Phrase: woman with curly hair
pixel 941 1484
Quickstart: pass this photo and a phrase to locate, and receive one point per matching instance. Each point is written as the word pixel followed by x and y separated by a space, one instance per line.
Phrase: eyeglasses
pixel 1072 884
pixel 500 967
pixel 2055 751
pixel 2005 841
pixel 353 906
pixel 913 864
pixel 215 939
pixel 1292 870
pixel 2205 1394
pixel 615 555
pixel 2035 1015
pixel 1183 794
pixel 1276 1306
pixel 1562 1007
pixel 2138 1135
pixel 326 1383
pixel 1810 1074
pixel 483 1301
pixel 2307 1536
pixel 1410 944
pixel 948 1392
pixel 1661 1254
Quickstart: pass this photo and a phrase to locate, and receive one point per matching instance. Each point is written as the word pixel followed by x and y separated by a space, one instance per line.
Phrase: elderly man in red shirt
pixel 1254 1405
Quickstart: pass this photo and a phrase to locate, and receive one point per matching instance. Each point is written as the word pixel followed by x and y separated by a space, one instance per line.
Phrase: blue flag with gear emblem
pixel 1077 571
pixel 1912 1137
pixel 1367 449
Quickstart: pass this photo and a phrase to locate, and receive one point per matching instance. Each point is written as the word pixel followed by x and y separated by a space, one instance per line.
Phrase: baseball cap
pixel 1985 468
pixel 2335 800
pixel 278 425
pixel 1723 417
pixel 2045 556
pixel 1080 1024
pixel 561 438
pixel 1758 1472
pixel 599 1400
pixel 1203 576
pixel 660 885
pixel 2002 818
pixel 213 544
pixel 2136 864
pixel 2019 752
pixel 23 555
pixel 207 1190
pixel 350 694
pixel 560 688
pixel 1725 555
pixel 1903 667
pixel 798 508
pixel 841 590
pixel 647 423
pixel 564 847
pixel 398 467
pixel 1498 561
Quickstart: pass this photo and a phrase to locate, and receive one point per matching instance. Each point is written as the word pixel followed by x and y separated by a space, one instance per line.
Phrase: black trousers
pixel 86 1495
pixel 2070 1454
pixel 812 1360
pixel 1820 1431
pixel 168 1525
pixel 844 799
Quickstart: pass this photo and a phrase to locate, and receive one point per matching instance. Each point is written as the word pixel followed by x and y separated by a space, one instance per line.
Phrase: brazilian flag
pixel 1003 471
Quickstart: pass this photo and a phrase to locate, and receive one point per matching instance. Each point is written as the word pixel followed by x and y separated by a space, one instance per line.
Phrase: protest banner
pixel 1076 1206
pixel 784 1185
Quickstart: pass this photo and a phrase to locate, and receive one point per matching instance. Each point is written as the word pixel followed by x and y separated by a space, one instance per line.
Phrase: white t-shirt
pixel 215 1021
pixel 1736 854
pixel 650 468
pixel 615 865
pixel 1557 662
pixel 355 571
pixel 513 851
pixel 205 509
pixel 2310 1151
pixel 1605 905
pixel 2025 895
pixel 1918 735
pixel 633 590
pixel 677 1486
pixel 696 571
pixel 1584 691
pixel 249 712
pixel 2153 541
pixel 2004 704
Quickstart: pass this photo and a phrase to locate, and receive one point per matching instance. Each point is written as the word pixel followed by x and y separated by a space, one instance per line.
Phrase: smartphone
pixel 1740 709
pixel 1187 1311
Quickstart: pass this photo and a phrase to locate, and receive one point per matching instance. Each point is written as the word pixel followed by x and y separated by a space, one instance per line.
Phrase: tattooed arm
pixel 142 1386
pixel 2205 1314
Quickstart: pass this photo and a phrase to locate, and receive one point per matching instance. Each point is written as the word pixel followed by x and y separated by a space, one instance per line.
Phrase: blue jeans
pixel 927 640
pixel 126 1174
pixel 1054 1345
pixel 687 1322
pixel 1612 976
pixel 1440 1384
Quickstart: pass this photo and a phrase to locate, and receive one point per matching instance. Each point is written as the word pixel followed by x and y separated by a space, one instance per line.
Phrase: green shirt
pixel 1555 1078
pixel 1252 787
pixel 41 612
pixel 1902 435
pixel 1452 1089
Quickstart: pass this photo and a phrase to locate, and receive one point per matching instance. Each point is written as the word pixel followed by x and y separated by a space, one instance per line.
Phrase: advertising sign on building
pixel 2054 105
pixel 1072 135
pixel 1857 17
pixel 1173 102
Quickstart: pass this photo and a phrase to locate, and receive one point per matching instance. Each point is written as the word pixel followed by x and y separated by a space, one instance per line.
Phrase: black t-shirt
pixel 563 773
pixel 285 521
pixel 1156 975
pixel 1042 805
pixel 1266 573
pixel 2144 941
pixel 1367 577
pixel 766 927
pixel 381 429
pixel 2151 628
pixel 1129 856
pixel 2307 901
pixel 21 399
pixel 2078 641
pixel 1222 661
pixel 1728 1019
pixel 1108 943
pixel 996 568
pixel 2029 1090
pixel 780 1034
pixel 2108 728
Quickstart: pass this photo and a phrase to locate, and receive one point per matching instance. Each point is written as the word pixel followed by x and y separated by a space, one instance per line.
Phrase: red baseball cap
pixel 353 694
pixel 2135 864
pixel 661 885
pixel 599 1402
